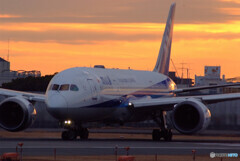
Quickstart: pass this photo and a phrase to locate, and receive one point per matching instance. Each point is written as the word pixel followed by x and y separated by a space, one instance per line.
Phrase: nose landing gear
pixel 83 133
pixel 74 131
pixel 69 135
pixel 72 134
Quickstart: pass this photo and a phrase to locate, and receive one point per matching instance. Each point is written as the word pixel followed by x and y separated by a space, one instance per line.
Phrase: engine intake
pixel 191 116
pixel 16 114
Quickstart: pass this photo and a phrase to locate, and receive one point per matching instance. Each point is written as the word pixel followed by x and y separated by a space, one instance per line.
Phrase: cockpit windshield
pixel 64 87
pixel 74 87
pixel 55 87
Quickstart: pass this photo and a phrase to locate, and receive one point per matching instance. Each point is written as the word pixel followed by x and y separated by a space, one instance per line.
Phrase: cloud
pixel 232 1
pixel 8 16
pixel 82 33
pixel 112 11
pixel 230 11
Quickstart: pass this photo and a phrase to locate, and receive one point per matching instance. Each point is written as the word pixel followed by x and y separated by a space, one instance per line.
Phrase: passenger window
pixel 55 87
pixel 74 87
pixel 64 87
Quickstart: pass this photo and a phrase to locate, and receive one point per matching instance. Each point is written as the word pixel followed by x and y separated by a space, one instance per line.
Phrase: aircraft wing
pixel 167 104
pixel 203 87
pixel 27 95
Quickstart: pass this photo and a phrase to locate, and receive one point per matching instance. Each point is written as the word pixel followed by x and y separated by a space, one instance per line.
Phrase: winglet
pixel 162 64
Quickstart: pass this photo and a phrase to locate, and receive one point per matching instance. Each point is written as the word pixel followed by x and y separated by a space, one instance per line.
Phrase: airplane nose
pixel 57 106
pixel 57 101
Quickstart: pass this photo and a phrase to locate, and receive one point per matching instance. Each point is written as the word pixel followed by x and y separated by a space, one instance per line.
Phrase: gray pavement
pixel 45 147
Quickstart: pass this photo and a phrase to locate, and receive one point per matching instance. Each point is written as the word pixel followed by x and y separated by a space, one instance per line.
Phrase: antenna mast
pixel 175 68
pixel 8 52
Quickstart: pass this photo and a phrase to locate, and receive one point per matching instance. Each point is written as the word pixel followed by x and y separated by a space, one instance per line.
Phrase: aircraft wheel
pixel 64 135
pixel 156 135
pixel 84 133
pixel 69 135
pixel 168 135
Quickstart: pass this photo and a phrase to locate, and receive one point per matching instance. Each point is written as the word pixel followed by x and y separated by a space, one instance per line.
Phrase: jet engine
pixel 190 116
pixel 16 114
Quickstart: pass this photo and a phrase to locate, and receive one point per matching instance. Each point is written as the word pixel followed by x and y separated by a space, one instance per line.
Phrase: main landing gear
pixel 163 132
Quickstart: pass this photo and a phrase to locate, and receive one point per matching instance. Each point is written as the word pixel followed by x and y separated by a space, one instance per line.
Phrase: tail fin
pixel 162 64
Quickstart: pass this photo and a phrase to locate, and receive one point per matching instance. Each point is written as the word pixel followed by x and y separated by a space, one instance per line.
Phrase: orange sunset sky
pixel 52 35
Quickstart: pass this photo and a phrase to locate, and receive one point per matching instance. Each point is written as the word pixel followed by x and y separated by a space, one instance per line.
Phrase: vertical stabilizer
pixel 162 65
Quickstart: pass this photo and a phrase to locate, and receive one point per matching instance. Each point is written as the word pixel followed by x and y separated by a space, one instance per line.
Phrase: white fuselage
pixel 98 94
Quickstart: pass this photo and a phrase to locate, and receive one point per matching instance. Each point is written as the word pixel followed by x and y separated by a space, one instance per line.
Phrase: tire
pixel 72 135
pixel 84 134
pixel 69 135
pixel 168 135
pixel 156 135
pixel 65 135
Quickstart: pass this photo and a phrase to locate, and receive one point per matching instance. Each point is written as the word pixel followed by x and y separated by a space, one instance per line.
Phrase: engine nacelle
pixel 190 116
pixel 16 114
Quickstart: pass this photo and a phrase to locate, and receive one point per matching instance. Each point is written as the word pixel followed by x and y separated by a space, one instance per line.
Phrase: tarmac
pixel 111 146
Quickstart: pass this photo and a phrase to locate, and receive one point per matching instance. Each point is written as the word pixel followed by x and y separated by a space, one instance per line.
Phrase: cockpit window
pixel 64 87
pixel 55 87
pixel 74 87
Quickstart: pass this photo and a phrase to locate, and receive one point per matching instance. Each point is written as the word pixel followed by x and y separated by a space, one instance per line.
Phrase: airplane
pixel 80 95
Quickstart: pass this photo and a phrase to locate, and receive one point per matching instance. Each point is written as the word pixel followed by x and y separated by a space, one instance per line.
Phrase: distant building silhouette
pixel 181 82
pixel 4 65
pixel 7 75
pixel 212 76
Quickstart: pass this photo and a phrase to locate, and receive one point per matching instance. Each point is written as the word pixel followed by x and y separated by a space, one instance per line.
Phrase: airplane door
pixel 93 89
